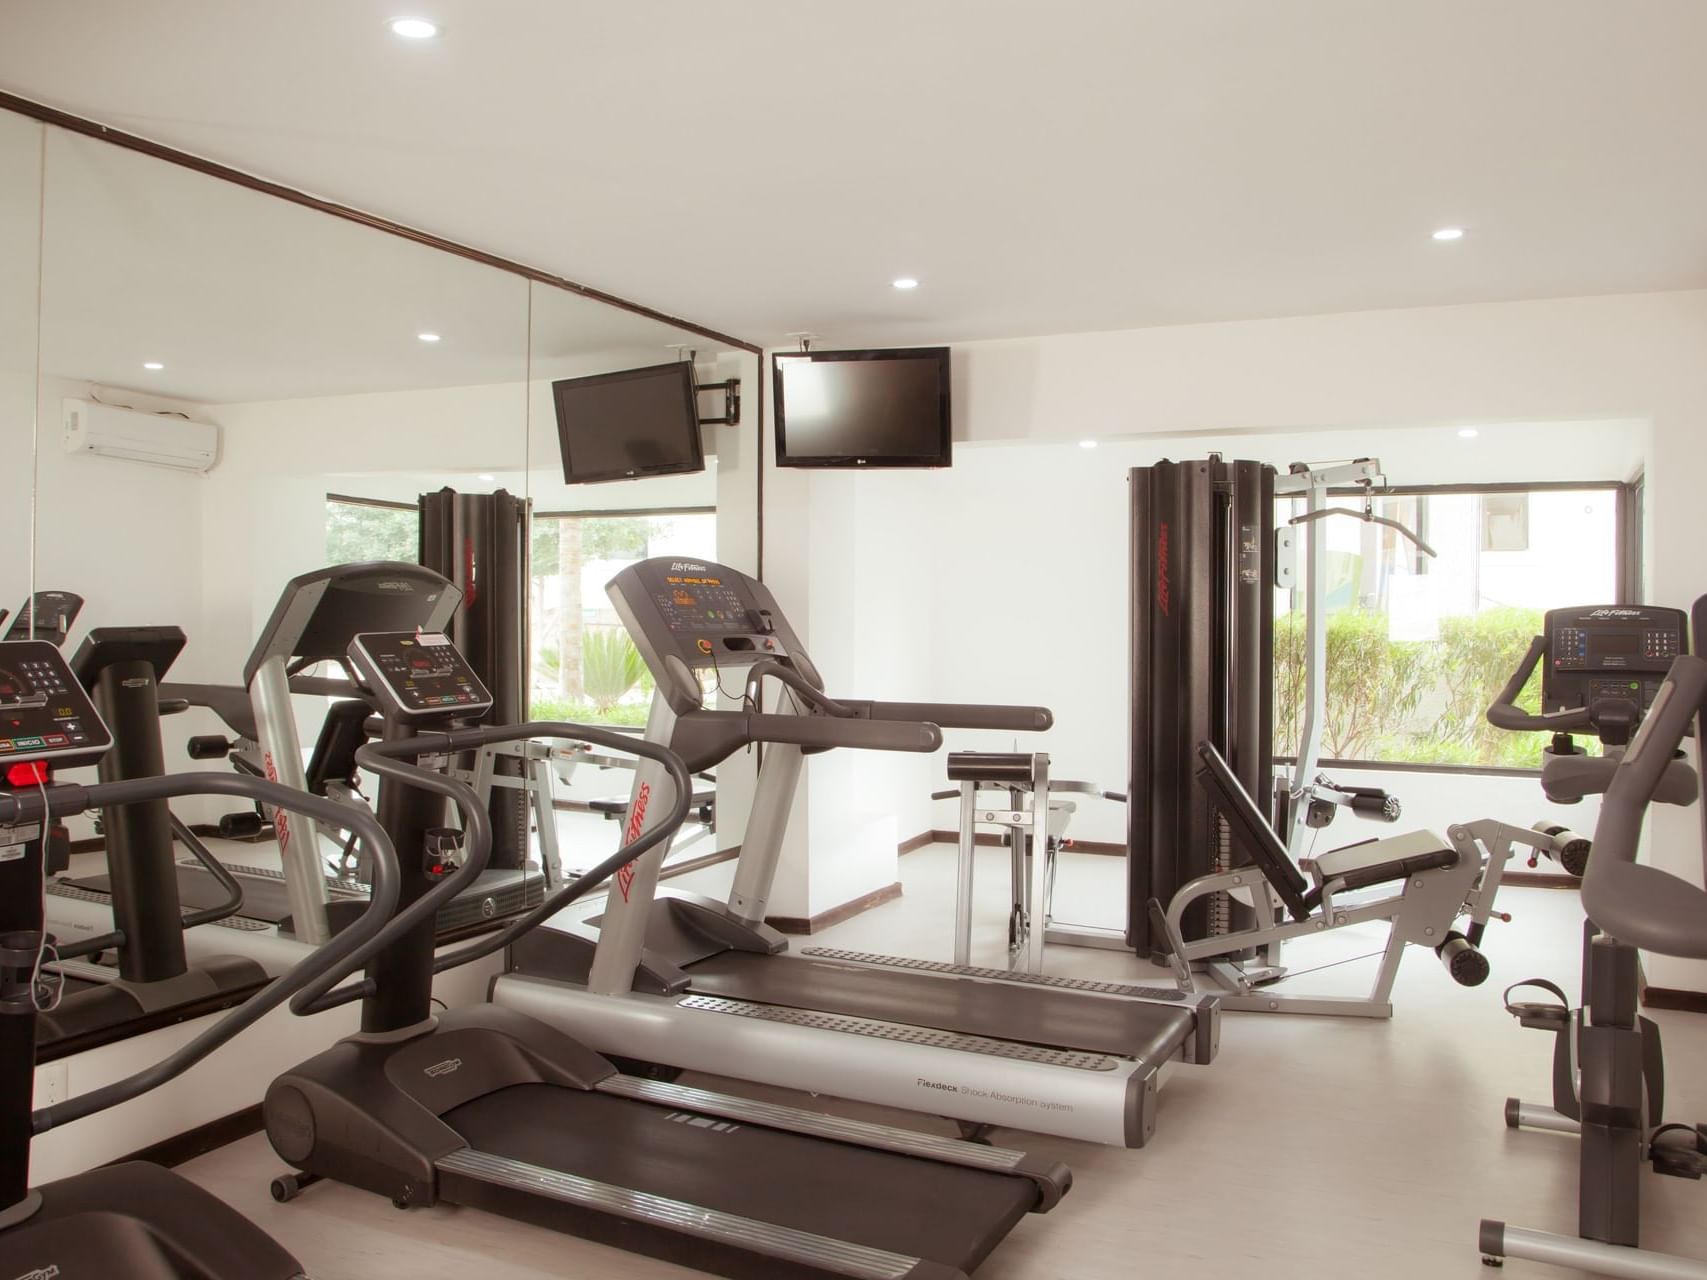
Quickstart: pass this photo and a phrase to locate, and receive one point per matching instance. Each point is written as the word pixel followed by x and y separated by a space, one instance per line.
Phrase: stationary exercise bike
pixel 1603 675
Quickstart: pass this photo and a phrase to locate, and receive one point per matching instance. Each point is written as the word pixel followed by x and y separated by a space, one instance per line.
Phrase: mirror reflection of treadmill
pixel 314 620
pixel 47 615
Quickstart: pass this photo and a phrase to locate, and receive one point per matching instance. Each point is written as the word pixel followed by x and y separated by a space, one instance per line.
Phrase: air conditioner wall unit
pixel 163 440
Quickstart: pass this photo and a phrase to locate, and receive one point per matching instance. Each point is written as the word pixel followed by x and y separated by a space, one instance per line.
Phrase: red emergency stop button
pixel 28 773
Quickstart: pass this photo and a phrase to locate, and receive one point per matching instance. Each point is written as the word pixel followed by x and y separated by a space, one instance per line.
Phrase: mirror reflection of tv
pixel 629 424
pixel 882 408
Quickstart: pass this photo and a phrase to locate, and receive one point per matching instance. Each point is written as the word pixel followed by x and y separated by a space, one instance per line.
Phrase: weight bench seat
pixel 1374 862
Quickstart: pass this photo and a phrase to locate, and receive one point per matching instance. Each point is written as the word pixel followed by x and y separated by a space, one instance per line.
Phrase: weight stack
pixel 1202 650
pixel 480 542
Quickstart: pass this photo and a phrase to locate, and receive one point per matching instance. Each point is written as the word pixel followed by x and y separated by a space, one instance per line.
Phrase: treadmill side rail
pixel 1051 1178
pixel 697 1225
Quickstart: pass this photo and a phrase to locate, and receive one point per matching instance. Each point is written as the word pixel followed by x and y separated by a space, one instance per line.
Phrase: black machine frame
pixel 1202 647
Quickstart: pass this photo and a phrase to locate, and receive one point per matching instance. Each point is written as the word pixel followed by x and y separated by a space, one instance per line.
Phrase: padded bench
pixel 1374 862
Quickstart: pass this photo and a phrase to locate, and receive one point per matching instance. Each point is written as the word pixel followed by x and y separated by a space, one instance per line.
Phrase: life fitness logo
pixel 48 1272
pixel 1162 568
pixel 636 820
pixel 281 820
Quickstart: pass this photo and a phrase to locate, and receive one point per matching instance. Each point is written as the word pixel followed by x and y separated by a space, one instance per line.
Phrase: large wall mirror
pixel 301 380
pixel 20 240
pixel 584 667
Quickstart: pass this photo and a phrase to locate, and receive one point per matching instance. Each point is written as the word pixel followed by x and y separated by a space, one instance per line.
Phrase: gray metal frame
pixel 298 835
pixel 1421 911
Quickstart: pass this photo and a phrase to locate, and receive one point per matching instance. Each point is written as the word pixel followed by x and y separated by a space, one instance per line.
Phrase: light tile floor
pixel 1313 1146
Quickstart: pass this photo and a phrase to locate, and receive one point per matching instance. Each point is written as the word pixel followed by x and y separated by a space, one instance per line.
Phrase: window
pixel 1419 647
pixel 585 668
pixel 360 529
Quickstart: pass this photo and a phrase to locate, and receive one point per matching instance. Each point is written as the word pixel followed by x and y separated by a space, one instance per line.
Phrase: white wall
pixel 1017 534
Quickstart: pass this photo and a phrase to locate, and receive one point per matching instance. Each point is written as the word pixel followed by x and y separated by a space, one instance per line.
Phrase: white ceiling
pixel 1086 164
pixel 243 297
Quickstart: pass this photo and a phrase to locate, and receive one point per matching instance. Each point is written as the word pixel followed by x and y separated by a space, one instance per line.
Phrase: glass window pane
pixel 358 531
pixel 585 668
pixel 1417 647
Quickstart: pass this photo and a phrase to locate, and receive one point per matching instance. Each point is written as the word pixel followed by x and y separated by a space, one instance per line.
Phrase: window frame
pixel 1627 585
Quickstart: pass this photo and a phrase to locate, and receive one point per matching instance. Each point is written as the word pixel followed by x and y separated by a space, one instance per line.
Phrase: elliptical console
pixel 1602 652
pixel 44 714
pixel 418 676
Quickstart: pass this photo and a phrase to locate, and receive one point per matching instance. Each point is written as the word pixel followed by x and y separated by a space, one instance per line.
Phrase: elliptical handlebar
pixel 389 760
pixel 1636 903
pixel 318 970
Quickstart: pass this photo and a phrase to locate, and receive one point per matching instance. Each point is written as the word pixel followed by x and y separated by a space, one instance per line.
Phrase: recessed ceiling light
pixel 1468 433
pixel 428 337
pixel 1087 444
pixel 414 28
pixel 486 477
pixel 1449 233
pixel 153 365
pixel 906 282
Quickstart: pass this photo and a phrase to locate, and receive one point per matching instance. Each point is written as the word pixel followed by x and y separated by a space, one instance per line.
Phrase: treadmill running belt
pixel 267 900
pixel 948 1214
pixel 1002 1011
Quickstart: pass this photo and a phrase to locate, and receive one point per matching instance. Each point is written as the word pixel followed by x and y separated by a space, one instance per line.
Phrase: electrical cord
pixel 49 987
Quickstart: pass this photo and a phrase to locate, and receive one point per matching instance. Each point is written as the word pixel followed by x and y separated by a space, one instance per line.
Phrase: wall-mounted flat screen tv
pixel 628 424
pixel 884 408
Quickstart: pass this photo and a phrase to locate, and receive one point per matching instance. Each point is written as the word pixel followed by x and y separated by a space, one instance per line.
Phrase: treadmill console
pixel 418 675
pixel 687 616
pixel 705 614
pixel 44 713
pixel 1609 651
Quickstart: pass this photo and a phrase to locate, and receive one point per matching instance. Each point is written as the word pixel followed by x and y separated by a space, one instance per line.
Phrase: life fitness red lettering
pixel 281 820
pixel 636 820
pixel 1162 568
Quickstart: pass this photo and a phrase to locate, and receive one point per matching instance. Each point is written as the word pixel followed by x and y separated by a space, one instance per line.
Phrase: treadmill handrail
pixel 945 715
pixel 837 731
pixel 309 972
pixel 389 760
pixel 1636 903
pixel 961 715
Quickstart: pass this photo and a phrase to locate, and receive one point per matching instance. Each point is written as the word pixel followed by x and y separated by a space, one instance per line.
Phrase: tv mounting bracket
pixel 731 389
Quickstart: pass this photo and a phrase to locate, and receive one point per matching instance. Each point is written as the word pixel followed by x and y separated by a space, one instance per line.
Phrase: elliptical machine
pixel 130 1220
pixel 1603 676
pixel 152 981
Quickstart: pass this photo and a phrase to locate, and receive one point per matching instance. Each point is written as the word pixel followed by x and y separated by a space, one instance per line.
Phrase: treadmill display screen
pixel 419 674
pixel 1621 644
pixel 701 604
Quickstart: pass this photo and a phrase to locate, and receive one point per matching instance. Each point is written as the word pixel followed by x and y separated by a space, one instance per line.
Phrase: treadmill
pixel 697 983
pixel 151 984
pixel 131 1220
pixel 313 622
pixel 486 1107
